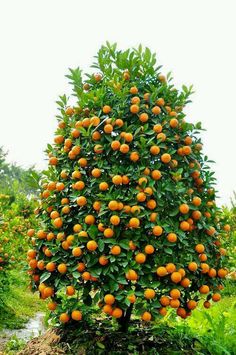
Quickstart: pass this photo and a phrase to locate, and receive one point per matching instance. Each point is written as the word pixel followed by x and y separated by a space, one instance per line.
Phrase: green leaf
pixel 45 276
pixel 92 231
pixel 100 345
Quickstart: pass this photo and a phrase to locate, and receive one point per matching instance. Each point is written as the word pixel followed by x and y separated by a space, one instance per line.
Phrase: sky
pixel 41 39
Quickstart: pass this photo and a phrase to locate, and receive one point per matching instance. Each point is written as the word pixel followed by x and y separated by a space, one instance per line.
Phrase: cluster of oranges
pixel 128 207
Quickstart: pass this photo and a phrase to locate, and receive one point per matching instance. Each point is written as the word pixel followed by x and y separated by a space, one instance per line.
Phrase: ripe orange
pixel 113 205
pixel 192 266
pixel 115 220
pixel 115 145
pixel 108 233
pixel 156 110
pixel 76 174
pixel 106 109
pixel 181 312
pixel 174 303
pixel 143 117
pixel 62 268
pixel 65 209
pixel 81 201
pixel 133 90
pixel 89 219
pixel 58 222
pixel 103 186
pixel 77 251
pixel 76 315
pixel 227 228
pixel 134 156
pixel 164 301
pixel 86 276
pixel 191 304
pixel 128 137
pixel 157 128
pixel 185 282
pixel 204 289
pixel 108 128
pixel 51 266
pixel 115 250
pixel 211 231
pixel 157 231
pixel 170 267
pixel 162 311
pixel 149 249
pixel 132 246
pixel 117 312
pixel 60 186
pixel 222 273
pixel 103 260
pixel 174 123
pixel 64 318
pixel 196 215
pixel 187 150
pixel 146 316
pixel 107 309
pixel 125 180
pixel 149 293
pixel 175 293
pixel 70 290
pixel 97 205
pixel 79 185
pixel 131 298
pixel 96 136
pixel 30 232
pixel 140 258
pixel 141 197
pixel 154 150
pixel 184 208
pixel 207 304
pixel 53 161
pixel 109 299
pixel 156 174
pixel 161 271
pixel 134 222
pixel 83 162
pixel 196 201
pixel 80 267
pixel 31 253
pixel 117 179
pixel 216 297
pixel 166 158
pixel 184 226
pixel 199 248
pixel 124 148
pixel 176 277
pixel 52 306
pixel 96 173
pixel 134 109
pixel 131 275
pixel 172 237
pixel 91 245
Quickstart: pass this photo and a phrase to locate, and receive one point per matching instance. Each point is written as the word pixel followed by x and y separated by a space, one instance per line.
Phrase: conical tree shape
pixel 129 220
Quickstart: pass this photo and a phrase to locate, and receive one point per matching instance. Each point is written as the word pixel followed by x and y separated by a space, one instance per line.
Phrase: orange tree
pixel 128 217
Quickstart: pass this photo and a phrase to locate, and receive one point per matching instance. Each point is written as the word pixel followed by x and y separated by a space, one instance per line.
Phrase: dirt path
pixel 33 328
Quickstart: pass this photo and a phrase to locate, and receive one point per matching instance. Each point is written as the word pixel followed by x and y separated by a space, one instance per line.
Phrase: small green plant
pixel 14 344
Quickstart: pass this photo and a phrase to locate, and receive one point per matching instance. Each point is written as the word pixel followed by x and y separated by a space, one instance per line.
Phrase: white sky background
pixel 41 39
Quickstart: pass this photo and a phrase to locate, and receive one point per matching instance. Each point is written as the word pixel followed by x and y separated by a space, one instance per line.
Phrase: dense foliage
pixel 16 216
pixel 128 213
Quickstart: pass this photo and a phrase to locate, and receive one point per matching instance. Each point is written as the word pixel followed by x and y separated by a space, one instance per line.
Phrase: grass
pixel 20 304
pixel 214 329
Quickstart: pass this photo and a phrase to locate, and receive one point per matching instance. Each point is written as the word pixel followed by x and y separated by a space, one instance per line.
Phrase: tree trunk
pixel 125 319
